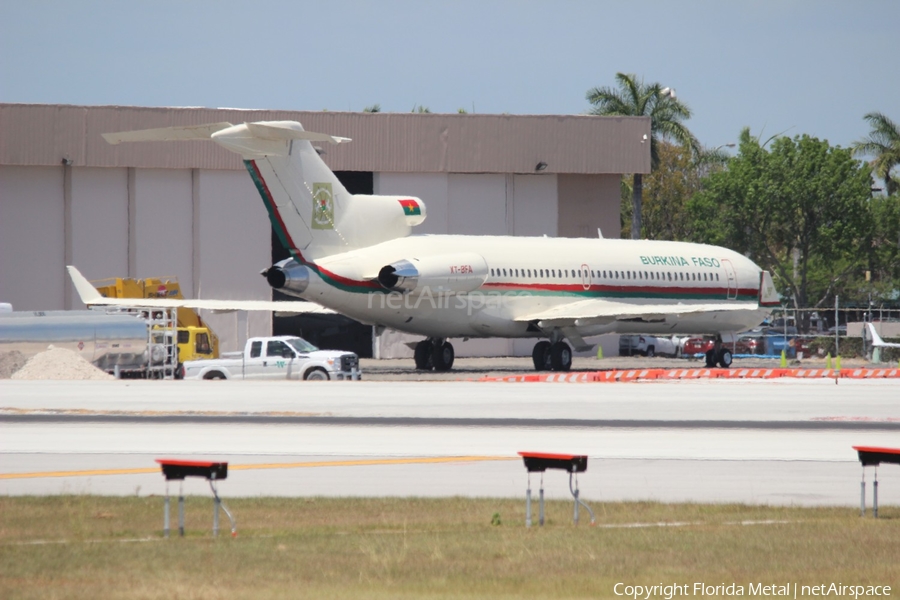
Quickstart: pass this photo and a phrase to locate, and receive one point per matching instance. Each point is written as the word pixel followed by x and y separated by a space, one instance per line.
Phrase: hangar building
pixel 189 209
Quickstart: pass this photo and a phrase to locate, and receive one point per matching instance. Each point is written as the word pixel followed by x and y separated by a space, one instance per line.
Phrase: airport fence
pixel 839 331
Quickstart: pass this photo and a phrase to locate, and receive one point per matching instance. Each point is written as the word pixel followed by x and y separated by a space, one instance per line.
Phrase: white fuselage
pixel 528 274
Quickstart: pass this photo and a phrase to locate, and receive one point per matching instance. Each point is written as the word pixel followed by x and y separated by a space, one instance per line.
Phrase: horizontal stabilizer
pixel 290 130
pixel 91 297
pixel 167 134
pixel 606 309
pixel 264 130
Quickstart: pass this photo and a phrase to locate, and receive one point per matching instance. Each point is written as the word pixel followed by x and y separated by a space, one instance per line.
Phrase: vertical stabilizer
pixel 311 211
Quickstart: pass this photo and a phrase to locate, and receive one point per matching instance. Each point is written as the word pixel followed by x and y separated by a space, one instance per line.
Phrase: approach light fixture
pixel 540 166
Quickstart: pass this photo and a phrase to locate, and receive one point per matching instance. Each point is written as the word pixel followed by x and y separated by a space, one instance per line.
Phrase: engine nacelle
pixel 288 276
pixel 442 274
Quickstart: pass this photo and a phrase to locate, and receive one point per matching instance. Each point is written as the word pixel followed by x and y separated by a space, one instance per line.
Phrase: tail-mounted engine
pixel 446 274
pixel 287 276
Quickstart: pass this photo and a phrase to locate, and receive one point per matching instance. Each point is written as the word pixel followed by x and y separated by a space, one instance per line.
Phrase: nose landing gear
pixel 718 354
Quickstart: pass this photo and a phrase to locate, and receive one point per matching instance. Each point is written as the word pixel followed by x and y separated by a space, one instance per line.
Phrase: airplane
pixel 878 342
pixel 354 255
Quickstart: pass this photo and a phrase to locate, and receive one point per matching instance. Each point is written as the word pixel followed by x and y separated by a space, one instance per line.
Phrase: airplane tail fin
pixel 311 211
pixel 86 291
pixel 876 339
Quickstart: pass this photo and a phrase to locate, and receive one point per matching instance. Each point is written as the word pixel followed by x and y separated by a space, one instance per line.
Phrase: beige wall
pixel 232 244
pixel 32 237
pixel 587 202
pixel 99 224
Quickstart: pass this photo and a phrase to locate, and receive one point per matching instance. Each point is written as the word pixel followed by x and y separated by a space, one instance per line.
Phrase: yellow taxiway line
pixel 257 466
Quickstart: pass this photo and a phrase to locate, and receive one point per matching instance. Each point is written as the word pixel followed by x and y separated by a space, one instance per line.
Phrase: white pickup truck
pixel 279 357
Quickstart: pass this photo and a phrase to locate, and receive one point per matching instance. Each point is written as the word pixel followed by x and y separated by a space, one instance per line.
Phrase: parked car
pixel 697 345
pixel 645 345
pixel 751 342
pixel 781 338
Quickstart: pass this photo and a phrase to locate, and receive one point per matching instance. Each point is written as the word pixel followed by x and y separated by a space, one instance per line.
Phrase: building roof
pixel 45 134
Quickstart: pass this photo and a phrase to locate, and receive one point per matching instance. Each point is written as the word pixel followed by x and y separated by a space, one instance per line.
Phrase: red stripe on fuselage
pixel 549 287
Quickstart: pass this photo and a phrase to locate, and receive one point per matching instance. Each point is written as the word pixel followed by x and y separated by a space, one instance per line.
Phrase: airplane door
pixel 585 277
pixel 730 278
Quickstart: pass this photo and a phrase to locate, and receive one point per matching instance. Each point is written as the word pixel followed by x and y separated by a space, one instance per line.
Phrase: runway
pixel 772 442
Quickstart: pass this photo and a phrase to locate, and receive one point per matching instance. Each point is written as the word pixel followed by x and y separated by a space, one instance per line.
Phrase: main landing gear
pixel 434 353
pixel 552 357
pixel 718 354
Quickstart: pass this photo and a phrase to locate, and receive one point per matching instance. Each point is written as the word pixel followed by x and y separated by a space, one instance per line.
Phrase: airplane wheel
pixel 443 356
pixel 422 355
pixel 541 356
pixel 710 359
pixel 725 358
pixel 560 356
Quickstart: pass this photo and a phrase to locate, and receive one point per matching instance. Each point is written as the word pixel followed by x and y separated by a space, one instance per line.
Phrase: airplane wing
pixel 607 310
pixel 91 297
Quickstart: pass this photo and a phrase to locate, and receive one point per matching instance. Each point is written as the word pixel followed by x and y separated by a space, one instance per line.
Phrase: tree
pixel 667 190
pixel 375 108
pixel 635 98
pixel 802 201
pixel 884 143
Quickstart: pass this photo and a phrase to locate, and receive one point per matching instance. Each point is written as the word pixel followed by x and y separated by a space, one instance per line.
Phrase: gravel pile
pixel 59 363
pixel 10 362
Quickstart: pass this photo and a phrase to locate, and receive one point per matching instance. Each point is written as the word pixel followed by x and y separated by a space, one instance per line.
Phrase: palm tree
pixel 884 143
pixel 635 98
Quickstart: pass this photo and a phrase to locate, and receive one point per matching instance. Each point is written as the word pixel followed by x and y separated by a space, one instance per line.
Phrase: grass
pixel 103 547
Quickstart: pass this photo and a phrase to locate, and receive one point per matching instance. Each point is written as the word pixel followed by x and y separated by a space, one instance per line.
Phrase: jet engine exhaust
pixel 399 277
pixel 288 276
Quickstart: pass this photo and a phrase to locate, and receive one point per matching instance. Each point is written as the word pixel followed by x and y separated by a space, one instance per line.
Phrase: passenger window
pixel 492 272
pixel 504 272
pixel 542 272
pixel 717 276
pixel 255 349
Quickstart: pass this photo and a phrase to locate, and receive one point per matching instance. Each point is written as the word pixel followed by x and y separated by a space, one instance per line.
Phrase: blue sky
pixel 802 66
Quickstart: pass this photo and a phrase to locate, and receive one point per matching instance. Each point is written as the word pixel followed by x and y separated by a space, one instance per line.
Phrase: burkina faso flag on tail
pixel 410 207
